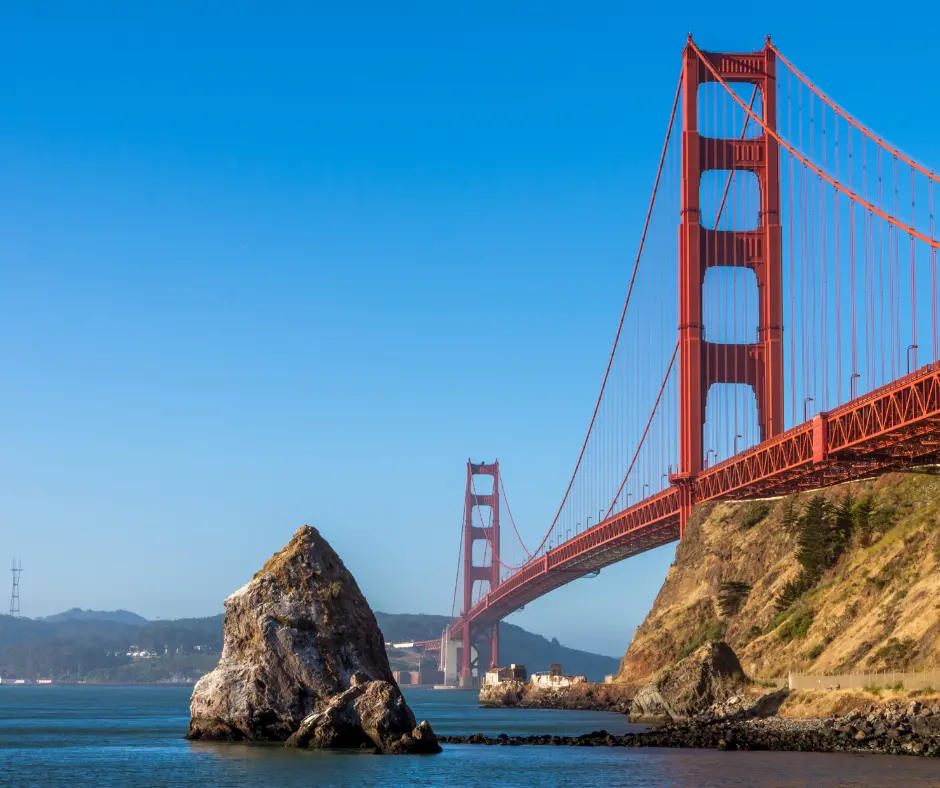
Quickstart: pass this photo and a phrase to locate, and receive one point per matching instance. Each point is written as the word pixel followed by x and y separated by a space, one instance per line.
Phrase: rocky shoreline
pixel 578 697
pixel 891 729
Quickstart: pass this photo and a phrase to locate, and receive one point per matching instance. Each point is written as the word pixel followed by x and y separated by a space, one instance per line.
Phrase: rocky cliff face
pixel 813 582
pixel 304 661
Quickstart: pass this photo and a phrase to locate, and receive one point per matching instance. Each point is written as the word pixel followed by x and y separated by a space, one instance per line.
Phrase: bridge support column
pixel 686 488
pixel 758 364
pixel 475 530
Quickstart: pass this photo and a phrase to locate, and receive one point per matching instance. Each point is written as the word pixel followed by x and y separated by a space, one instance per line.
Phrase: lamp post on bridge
pixel 599 518
pixel 710 451
pixel 643 491
pixel 853 388
pixel 739 435
pixel 909 366
pixel 806 402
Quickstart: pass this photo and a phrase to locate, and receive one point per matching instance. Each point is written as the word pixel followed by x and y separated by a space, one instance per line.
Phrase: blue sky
pixel 260 268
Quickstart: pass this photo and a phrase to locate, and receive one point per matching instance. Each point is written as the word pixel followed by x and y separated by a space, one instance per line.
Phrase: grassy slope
pixel 878 607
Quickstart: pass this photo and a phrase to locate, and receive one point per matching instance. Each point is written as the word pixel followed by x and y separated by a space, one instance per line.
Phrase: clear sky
pixel 265 267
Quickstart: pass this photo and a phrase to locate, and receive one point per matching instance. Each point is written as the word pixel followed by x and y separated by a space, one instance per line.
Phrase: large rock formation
pixel 711 674
pixel 304 662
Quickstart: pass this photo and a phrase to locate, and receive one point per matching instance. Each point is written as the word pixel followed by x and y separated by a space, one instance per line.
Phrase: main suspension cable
pixel 860 126
pixel 789 148
pixel 623 313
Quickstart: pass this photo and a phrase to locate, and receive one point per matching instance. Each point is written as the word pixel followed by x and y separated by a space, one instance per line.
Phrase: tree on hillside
pixel 823 532
pixel 865 511
pixel 789 516
pixel 813 537
pixel 731 596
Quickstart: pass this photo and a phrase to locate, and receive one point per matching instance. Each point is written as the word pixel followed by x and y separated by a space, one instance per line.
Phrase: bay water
pixel 65 736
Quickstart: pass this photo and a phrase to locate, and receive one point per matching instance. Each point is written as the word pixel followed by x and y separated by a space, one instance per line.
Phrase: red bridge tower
pixel 474 572
pixel 758 364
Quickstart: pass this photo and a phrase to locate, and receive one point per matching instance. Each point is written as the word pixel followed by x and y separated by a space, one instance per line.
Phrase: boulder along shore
pixel 887 729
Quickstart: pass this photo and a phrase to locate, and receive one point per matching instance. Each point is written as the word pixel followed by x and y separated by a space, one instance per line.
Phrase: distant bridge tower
pixel 15 595
pixel 472 534
pixel 758 364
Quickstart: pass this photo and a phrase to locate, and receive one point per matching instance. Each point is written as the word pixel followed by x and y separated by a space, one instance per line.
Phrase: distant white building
pixel 554 679
pixel 136 653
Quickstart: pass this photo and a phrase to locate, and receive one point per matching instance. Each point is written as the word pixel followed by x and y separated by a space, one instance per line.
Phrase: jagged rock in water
pixel 304 662
pixel 709 675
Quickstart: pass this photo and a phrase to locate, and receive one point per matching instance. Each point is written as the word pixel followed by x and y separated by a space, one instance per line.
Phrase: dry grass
pixel 810 704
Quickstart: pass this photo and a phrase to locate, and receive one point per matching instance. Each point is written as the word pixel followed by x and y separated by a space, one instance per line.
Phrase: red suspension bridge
pixel 790 213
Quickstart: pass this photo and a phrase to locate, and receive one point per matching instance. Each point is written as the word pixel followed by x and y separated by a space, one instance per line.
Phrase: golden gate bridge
pixel 783 292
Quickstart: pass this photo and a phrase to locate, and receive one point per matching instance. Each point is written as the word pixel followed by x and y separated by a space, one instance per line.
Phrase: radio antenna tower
pixel 15 596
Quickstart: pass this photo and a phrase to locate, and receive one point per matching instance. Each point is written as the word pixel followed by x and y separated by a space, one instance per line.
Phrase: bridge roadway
pixel 891 428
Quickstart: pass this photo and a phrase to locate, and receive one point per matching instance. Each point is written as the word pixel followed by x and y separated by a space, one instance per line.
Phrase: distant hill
pixel 118 616
pixel 93 645
pixel 515 645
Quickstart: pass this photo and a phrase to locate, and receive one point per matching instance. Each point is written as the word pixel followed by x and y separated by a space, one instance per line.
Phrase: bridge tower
pixel 758 364
pixel 474 572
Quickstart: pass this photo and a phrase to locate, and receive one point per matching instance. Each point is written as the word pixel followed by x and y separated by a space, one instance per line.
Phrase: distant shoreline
pixel 103 684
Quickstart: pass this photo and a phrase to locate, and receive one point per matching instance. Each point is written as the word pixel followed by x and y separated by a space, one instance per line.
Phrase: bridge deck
pixel 891 428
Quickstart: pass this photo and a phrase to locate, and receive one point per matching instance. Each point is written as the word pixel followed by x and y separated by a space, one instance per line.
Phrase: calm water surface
pixel 132 736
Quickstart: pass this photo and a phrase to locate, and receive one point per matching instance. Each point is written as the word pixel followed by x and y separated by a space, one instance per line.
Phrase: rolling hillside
pixel 86 645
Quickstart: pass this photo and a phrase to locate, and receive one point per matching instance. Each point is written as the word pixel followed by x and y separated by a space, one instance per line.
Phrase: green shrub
pixel 896 653
pixel 797 626
pixel 709 631
pixel 753 632
pixel 816 651
pixel 793 591
pixel 754 514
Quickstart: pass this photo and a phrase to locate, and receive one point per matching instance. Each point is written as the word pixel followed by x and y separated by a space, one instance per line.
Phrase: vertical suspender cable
pixel 852 267
pixel 881 273
pixel 837 198
pixel 790 222
pixel 913 284
pixel 824 269
pixel 933 278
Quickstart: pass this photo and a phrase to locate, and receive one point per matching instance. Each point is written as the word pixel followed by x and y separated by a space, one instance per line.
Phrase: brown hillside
pixel 876 607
